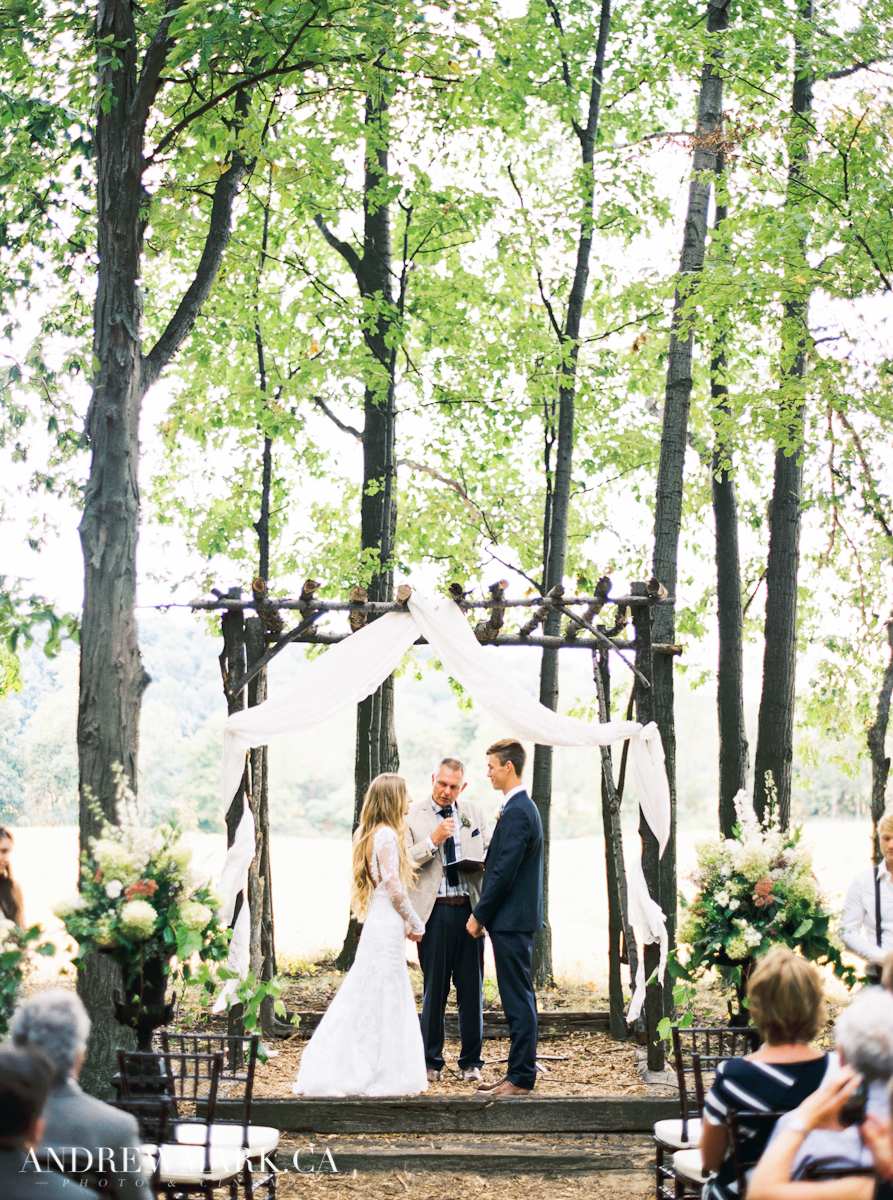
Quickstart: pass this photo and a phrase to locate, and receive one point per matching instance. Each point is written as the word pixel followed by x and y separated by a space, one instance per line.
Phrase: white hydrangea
pixel 138 920
pixel 752 936
pixel 65 908
pixel 752 860
pixel 195 915
pixel 115 861
pixel 114 888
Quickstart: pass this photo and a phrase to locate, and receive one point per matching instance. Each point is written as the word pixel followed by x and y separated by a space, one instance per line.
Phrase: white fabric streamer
pixel 354 668
pixel 650 924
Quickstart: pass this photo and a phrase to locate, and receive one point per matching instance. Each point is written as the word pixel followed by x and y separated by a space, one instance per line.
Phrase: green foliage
pixel 18 947
pixel 139 899
pixel 756 890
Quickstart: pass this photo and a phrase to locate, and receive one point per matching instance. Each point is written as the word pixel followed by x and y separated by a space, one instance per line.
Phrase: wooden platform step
pixel 551 1024
pixel 445 1115
pixel 623 1154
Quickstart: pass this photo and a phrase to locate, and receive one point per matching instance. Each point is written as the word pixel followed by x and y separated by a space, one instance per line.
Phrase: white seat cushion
pixel 687 1163
pixel 262 1139
pixel 186 1164
pixel 669 1133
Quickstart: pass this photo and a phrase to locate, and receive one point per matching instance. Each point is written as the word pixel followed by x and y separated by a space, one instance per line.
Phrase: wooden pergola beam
pixel 382 606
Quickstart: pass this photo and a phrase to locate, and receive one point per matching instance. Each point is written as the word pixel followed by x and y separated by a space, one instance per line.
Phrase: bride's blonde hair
pixel 383 804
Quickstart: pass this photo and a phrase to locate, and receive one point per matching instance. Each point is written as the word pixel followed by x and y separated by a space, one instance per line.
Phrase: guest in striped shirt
pixel 788 1008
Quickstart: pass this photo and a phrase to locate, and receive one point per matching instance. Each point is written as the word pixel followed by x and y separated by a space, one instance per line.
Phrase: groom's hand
pixel 474 927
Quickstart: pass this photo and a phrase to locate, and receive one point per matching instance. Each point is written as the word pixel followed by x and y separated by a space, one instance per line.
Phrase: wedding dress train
pixel 369 1043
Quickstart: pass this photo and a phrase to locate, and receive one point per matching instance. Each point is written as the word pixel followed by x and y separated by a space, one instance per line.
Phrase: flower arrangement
pixel 141 899
pixel 755 890
pixel 18 947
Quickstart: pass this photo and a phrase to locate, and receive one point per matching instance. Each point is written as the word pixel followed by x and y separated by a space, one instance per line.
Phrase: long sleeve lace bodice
pixel 385 867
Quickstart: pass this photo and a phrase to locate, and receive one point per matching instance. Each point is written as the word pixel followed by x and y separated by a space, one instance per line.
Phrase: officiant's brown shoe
pixel 488 1087
pixel 508 1089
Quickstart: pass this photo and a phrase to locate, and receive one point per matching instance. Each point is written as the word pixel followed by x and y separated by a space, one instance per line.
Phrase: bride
pixel 369 1042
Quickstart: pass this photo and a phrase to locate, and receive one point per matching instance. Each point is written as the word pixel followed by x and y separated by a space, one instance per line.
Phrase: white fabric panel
pixel 354 668
pixel 647 919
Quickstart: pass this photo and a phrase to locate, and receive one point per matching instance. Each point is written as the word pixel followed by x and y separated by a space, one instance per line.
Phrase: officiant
pixel 441 831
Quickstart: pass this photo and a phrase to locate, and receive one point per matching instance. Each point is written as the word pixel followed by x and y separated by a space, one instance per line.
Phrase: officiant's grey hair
pixel 56 1022
pixel 451 764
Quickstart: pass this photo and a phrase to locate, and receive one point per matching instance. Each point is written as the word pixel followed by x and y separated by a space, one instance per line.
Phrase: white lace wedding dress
pixel 369 1043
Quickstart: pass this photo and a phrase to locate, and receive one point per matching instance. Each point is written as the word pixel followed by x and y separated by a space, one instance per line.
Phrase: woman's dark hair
pixel 12 903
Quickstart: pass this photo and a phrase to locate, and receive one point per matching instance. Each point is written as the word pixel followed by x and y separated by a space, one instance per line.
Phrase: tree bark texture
pixel 877 740
pixel 775 727
pixel 260 880
pixel 733 748
pixel 558 483
pixel 674 433
pixel 112 678
pixel 654 997
pixel 376 742
pixel 619 930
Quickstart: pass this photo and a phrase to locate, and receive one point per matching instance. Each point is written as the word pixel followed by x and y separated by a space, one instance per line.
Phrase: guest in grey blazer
pixel 56 1022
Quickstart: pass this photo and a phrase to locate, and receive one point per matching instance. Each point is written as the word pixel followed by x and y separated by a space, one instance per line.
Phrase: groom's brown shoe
pixel 508 1089
pixel 488 1087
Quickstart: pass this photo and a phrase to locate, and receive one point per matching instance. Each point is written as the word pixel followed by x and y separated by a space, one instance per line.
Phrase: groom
pixel 511 908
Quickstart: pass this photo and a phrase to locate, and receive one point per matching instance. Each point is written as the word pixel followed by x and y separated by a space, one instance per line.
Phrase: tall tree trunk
pixel 558 484
pixel 376 744
pixel 674 433
pixel 733 749
pixel 877 740
pixel 112 678
pixel 775 727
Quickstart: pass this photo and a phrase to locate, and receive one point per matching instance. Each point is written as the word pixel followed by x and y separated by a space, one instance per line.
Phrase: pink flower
pixel 762 895
pixel 143 887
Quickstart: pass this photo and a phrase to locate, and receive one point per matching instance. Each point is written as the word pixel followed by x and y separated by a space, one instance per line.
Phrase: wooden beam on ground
pixel 551 1024
pixel 472 1114
pixel 625 1154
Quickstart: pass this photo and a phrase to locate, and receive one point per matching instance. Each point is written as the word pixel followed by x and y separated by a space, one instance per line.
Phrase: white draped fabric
pixel 354 668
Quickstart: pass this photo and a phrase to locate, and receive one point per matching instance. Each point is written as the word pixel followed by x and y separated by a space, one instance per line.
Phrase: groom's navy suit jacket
pixel 512 896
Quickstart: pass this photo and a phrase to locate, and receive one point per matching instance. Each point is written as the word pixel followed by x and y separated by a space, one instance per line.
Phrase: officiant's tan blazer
pixel 421 823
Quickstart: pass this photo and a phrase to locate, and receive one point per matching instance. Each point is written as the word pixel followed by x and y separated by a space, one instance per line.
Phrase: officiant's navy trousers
pixel 448 951
pixel 513 955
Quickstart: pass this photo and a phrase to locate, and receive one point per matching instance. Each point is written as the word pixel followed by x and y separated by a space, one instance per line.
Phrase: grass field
pixel 310 886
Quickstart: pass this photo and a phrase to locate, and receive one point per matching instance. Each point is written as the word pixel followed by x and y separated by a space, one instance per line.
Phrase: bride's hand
pixel 415 937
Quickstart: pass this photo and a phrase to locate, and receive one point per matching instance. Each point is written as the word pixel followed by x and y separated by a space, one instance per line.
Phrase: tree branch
pixel 845 71
pixel 248 82
pixel 219 230
pixel 153 64
pixel 323 407
pixel 346 251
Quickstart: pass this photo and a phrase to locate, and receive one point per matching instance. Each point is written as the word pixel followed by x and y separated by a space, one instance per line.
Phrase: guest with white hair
pixel 56 1022
pixel 864 1037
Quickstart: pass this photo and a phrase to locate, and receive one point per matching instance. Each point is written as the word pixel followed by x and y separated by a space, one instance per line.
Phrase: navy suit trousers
pixel 448 951
pixel 513 953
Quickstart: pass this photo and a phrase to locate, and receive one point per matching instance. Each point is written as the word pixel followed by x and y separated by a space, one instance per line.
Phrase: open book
pixel 468 866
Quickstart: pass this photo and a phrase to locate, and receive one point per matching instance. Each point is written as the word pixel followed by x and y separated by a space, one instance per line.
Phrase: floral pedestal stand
pixel 146 1014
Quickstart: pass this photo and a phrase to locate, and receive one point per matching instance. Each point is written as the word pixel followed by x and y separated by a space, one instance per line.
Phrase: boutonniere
pixel 464 822
pixel 499 815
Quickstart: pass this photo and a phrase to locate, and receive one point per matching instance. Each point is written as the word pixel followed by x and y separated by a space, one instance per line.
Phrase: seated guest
pixel 788 1008
pixel 25 1077
pixel 864 1035
pixel 818 1115
pixel 56 1022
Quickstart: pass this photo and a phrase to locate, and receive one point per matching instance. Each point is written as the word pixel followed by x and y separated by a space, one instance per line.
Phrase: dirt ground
pixel 410 1185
